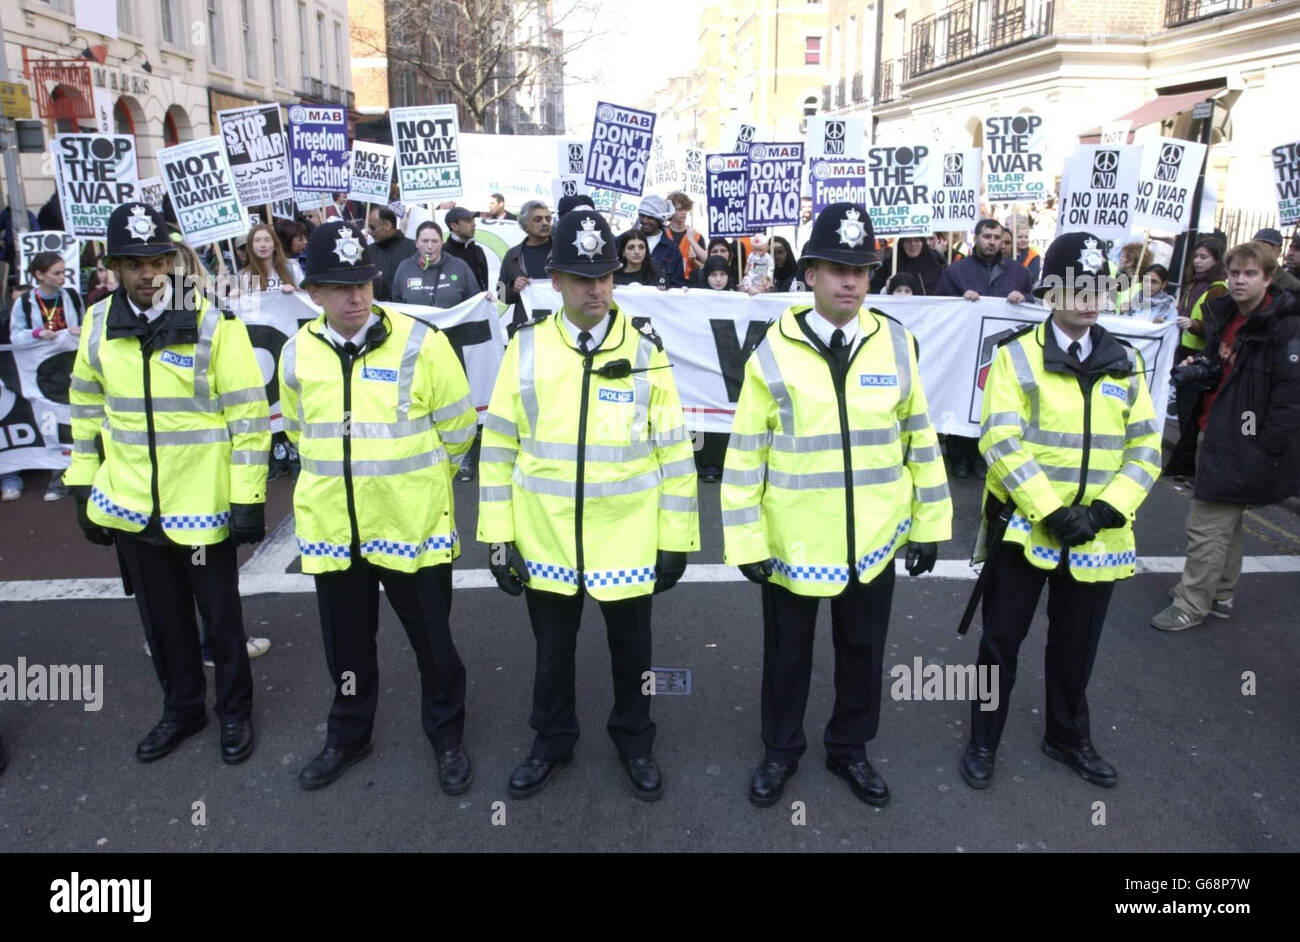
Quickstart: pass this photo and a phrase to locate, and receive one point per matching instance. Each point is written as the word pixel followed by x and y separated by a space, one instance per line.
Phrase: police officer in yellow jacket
pixel 832 466
pixel 378 406
pixel 587 484
pixel 1073 448
pixel 170 437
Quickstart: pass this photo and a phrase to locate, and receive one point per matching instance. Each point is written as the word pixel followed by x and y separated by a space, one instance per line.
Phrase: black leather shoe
pixel 977 766
pixel 236 741
pixel 976 467
pixel 863 780
pixel 959 468
pixel 165 737
pixel 643 773
pixel 454 771
pixel 1084 760
pixel 533 774
pixel 769 782
pixel 329 765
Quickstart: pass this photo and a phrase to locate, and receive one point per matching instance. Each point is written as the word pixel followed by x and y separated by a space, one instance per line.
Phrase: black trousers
pixel 555 620
pixel 349 621
pixel 859 623
pixel 1075 613
pixel 169 581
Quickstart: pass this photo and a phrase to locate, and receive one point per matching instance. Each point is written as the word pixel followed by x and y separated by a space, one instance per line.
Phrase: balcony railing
pixel 1178 12
pixel 859 94
pixel 839 94
pixel 889 81
pixel 975 28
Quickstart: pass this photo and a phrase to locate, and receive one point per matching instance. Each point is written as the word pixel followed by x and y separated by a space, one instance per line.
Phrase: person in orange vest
pixel 683 234
pixel 1026 254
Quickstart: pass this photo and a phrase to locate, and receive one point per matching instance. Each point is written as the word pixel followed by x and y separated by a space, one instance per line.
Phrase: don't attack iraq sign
pixel 621 140
pixel 772 185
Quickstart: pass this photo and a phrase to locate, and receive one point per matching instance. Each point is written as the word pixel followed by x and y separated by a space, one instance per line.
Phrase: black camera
pixel 1199 374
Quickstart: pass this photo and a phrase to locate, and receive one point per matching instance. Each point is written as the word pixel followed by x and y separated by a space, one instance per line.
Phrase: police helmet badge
pixel 140 226
pixel 851 232
pixel 1091 258
pixel 347 247
pixel 589 242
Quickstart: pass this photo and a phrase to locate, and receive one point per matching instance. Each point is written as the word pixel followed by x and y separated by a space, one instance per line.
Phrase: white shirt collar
pixel 339 340
pixel 597 333
pixel 652 241
pixel 1063 340
pixel 150 314
pixel 824 328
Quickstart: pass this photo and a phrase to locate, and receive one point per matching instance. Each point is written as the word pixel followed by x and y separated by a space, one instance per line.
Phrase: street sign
pixel 15 100
pixel 1202 110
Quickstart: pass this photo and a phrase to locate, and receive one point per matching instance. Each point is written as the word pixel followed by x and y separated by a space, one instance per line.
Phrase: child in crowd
pixel 904 283
pixel 758 273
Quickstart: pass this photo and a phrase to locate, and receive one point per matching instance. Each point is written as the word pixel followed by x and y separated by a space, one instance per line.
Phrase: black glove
pixel 921 558
pixel 247 523
pixel 100 536
pixel 669 566
pixel 757 572
pixel 1103 516
pixel 507 568
pixel 1070 525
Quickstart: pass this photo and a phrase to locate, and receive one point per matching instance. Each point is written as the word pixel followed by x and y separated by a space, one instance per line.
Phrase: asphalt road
pixel 1202 766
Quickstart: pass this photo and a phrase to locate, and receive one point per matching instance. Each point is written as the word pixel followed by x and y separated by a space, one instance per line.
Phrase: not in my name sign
pixel 428 152
pixel 202 188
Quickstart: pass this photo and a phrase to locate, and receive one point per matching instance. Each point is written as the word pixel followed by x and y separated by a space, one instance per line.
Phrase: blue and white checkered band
pixel 589 242
pixel 347 247
pixel 851 231
pixel 140 226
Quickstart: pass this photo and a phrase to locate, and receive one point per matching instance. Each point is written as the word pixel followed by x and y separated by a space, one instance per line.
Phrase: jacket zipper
pixel 839 377
pixel 582 465
pixel 153 442
pixel 345 363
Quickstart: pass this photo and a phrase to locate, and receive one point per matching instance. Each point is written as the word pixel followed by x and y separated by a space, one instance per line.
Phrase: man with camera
pixel 1248 444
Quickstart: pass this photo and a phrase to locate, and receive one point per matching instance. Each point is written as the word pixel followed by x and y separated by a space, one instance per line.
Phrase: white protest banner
pixel 202 189
pixel 898 189
pixel 1166 183
pixel 1286 180
pixel 620 148
pixel 836 136
pixel 1098 189
pixel 567 186
pixel 837 181
pixel 104 101
pixel 151 191
pixel 1115 132
pixel 50 240
pixel 571 169
pixel 35 424
pixel 662 172
pixel 772 184
pixel 740 134
pixel 97 174
pixel 257 153
pixel 428 152
pixel 370 172
pixel 1013 155
pixel 955 190
pixel 709 334
pixel 693 173
pixel 318 149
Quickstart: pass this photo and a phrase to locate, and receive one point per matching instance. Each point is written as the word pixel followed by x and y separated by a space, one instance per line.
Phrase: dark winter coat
pixel 995 279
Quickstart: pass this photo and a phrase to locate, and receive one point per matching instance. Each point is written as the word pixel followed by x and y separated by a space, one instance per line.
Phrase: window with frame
pixel 126 16
pixel 304 53
pixel 338 56
pixel 216 41
pixel 250 37
pixel 320 44
pixel 812 50
pixel 169 18
pixel 277 43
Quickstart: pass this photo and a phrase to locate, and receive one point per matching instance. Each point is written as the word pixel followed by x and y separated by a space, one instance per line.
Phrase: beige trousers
pixel 1214 547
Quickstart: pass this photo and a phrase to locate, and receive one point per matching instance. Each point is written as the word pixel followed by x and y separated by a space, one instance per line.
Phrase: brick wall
pixel 1108 18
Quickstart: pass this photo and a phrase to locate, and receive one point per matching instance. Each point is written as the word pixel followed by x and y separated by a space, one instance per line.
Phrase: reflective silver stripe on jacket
pixel 775 384
pixel 491 455
pixel 1145 427
pixel 1139 475
pixel 1002 418
pixel 742 516
pixel 496 493
pixel 903 363
pixel 930 495
pixel 501 426
pixel 86 412
pixel 1070 475
pixel 241 456
pixel 534 484
pixel 833 441
pixel 198 436
pixel 685 505
pixel 96 318
pixel 164 404
pixel 406 372
pixel 1039 436
pixel 455 410
pixel 203 352
pixel 749 442
pixel 248 426
pixel 923 454
pixel 563 451
pixel 527 341
pixel 861 477
pixel 375 467
pixel 240 397
pixel 1138 453
pixel 747 478
pixel 89 386
pixel 1025 374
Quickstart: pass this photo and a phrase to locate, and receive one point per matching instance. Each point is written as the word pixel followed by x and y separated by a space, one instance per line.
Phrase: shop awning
pixel 1157 109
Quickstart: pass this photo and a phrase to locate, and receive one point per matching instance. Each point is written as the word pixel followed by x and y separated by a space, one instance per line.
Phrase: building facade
pixel 175 63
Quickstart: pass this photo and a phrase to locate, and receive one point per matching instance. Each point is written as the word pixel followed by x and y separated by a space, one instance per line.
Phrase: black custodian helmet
pixel 337 255
pixel 583 244
pixel 137 231
pixel 1073 260
pixel 842 233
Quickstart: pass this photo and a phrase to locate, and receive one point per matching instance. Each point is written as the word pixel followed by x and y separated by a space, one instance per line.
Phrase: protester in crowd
pixel 682 234
pixel 1133 259
pixel 390 248
pixel 785 269
pixel 1247 411
pixel 1204 281
pixel 527 260
pixel 1153 302
pixel 917 259
pixel 8 245
pixel 292 236
pixel 1292 259
pixel 431 276
pixel 267 268
pixel 569 203
pixel 904 283
pixel 497 208
pixel 460 243
pixel 102 283
pixel 638 268
pixel 985 273
pixel 719 247
pixel 804 229
pixel 1026 254
pixel 652 214
pixel 1007 243
pixel 758 270
pixel 1282 279
pixel 50 216
pixel 717 275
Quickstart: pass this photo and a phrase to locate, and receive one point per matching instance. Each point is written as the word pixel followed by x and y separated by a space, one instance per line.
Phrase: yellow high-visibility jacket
pixel 185 431
pixel 1054 440
pixel 375 437
pixel 589 475
pixel 824 484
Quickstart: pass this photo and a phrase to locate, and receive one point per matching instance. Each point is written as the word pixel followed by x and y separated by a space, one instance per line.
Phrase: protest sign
pixel 255 148
pixel 836 136
pixel 726 175
pixel 772 184
pixel 427 139
pixel 370 172
pixel 571 168
pixel 739 135
pixel 97 173
pixel 151 191
pixel 1166 183
pixel 837 180
pixel 1098 189
pixel 955 189
pixel 898 189
pixel 50 240
pixel 1013 154
pixel 620 148
pixel 693 172
pixel 1286 180
pixel 202 189
pixel 318 149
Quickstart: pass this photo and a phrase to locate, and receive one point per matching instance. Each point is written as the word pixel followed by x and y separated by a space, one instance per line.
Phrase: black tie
pixel 350 349
pixel 837 339
pixel 1074 350
pixel 584 338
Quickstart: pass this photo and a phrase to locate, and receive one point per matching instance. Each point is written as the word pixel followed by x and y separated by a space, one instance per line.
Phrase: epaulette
pixel 1004 338
pixel 642 324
